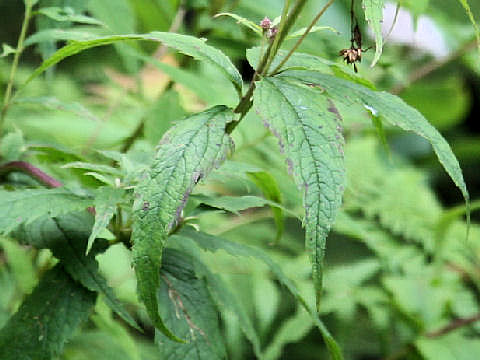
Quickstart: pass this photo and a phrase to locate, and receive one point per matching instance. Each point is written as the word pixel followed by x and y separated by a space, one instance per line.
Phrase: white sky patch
pixel 427 38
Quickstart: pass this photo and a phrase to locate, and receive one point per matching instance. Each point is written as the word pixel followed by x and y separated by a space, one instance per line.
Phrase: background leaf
pixel 47 318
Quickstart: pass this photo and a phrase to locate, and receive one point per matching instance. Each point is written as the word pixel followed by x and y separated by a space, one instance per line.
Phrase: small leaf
pixel 233 204
pixel 374 15
pixel 52 103
pixel 12 146
pixel 314 29
pixel 452 346
pixel 47 318
pixel 106 202
pixel 245 22
pixel 7 50
pixel 189 310
pixel 390 108
pixel 66 236
pixel 67 14
pixel 268 185
pixel 24 206
pixel 188 45
pixel 49 35
pixel 186 154
pixel 309 131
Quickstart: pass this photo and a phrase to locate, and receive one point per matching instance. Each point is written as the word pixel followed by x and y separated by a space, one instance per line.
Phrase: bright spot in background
pixel 427 38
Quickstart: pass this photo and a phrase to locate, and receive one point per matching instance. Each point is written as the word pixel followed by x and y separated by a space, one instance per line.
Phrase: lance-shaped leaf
pixel 24 206
pixel 188 237
pixel 309 131
pixel 186 154
pixel 188 45
pixel 374 15
pixel 189 310
pixel 47 318
pixel 66 236
pixel 391 109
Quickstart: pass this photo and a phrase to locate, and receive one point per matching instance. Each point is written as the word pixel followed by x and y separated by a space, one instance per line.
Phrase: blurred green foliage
pixel 401 281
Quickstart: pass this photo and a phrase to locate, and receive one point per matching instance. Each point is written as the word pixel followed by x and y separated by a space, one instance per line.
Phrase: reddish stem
pixel 30 170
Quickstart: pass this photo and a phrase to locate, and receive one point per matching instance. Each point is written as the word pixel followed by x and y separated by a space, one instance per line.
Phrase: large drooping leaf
pixel 309 131
pixel 188 45
pixel 391 109
pixel 186 154
pixel 188 238
pixel 47 318
pixel 374 15
pixel 188 309
pixel 24 206
pixel 66 236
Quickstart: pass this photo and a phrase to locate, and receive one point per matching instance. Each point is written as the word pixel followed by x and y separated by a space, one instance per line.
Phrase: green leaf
pixel 67 14
pixel 47 318
pixel 449 347
pixel 24 206
pixel 309 131
pixel 391 109
pixel 374 15
pixel 314 29
pixel 186 154
pixel 466 6
pixel 267 183
pixel 7 50
pixel 188 45
pixel 52 103
pixel 66 236
pixel 292 330
pixel 20 262
pixel 222 294
pixel 12 145
pixel 233 204
pixel 214 243
pixel 101 168
pixel 245 22
pixel 106 202
pixel 49 35
pixel 189 310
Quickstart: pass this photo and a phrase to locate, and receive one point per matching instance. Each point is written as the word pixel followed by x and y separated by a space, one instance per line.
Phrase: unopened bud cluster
pixel 269 29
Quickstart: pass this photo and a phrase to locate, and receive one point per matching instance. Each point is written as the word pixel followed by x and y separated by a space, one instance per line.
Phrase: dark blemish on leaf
pixel 197 177
pixel 320 126
pixel 146 206
pixel 333 109
pixel 290 166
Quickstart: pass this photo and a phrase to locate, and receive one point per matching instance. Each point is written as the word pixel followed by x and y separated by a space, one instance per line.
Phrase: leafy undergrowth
pixel 167 210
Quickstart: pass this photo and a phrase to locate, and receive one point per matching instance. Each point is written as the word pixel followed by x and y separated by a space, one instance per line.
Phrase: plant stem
pixel 30 170
pixel 297 44
pixel 262 68
pixel 13 71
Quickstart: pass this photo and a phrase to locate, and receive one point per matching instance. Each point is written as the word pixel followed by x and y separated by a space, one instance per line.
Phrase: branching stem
pixel 299 41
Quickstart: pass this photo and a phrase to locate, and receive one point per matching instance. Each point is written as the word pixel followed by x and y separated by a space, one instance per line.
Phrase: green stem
pixel 13 71
pixel 297 44
pixel 285 24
